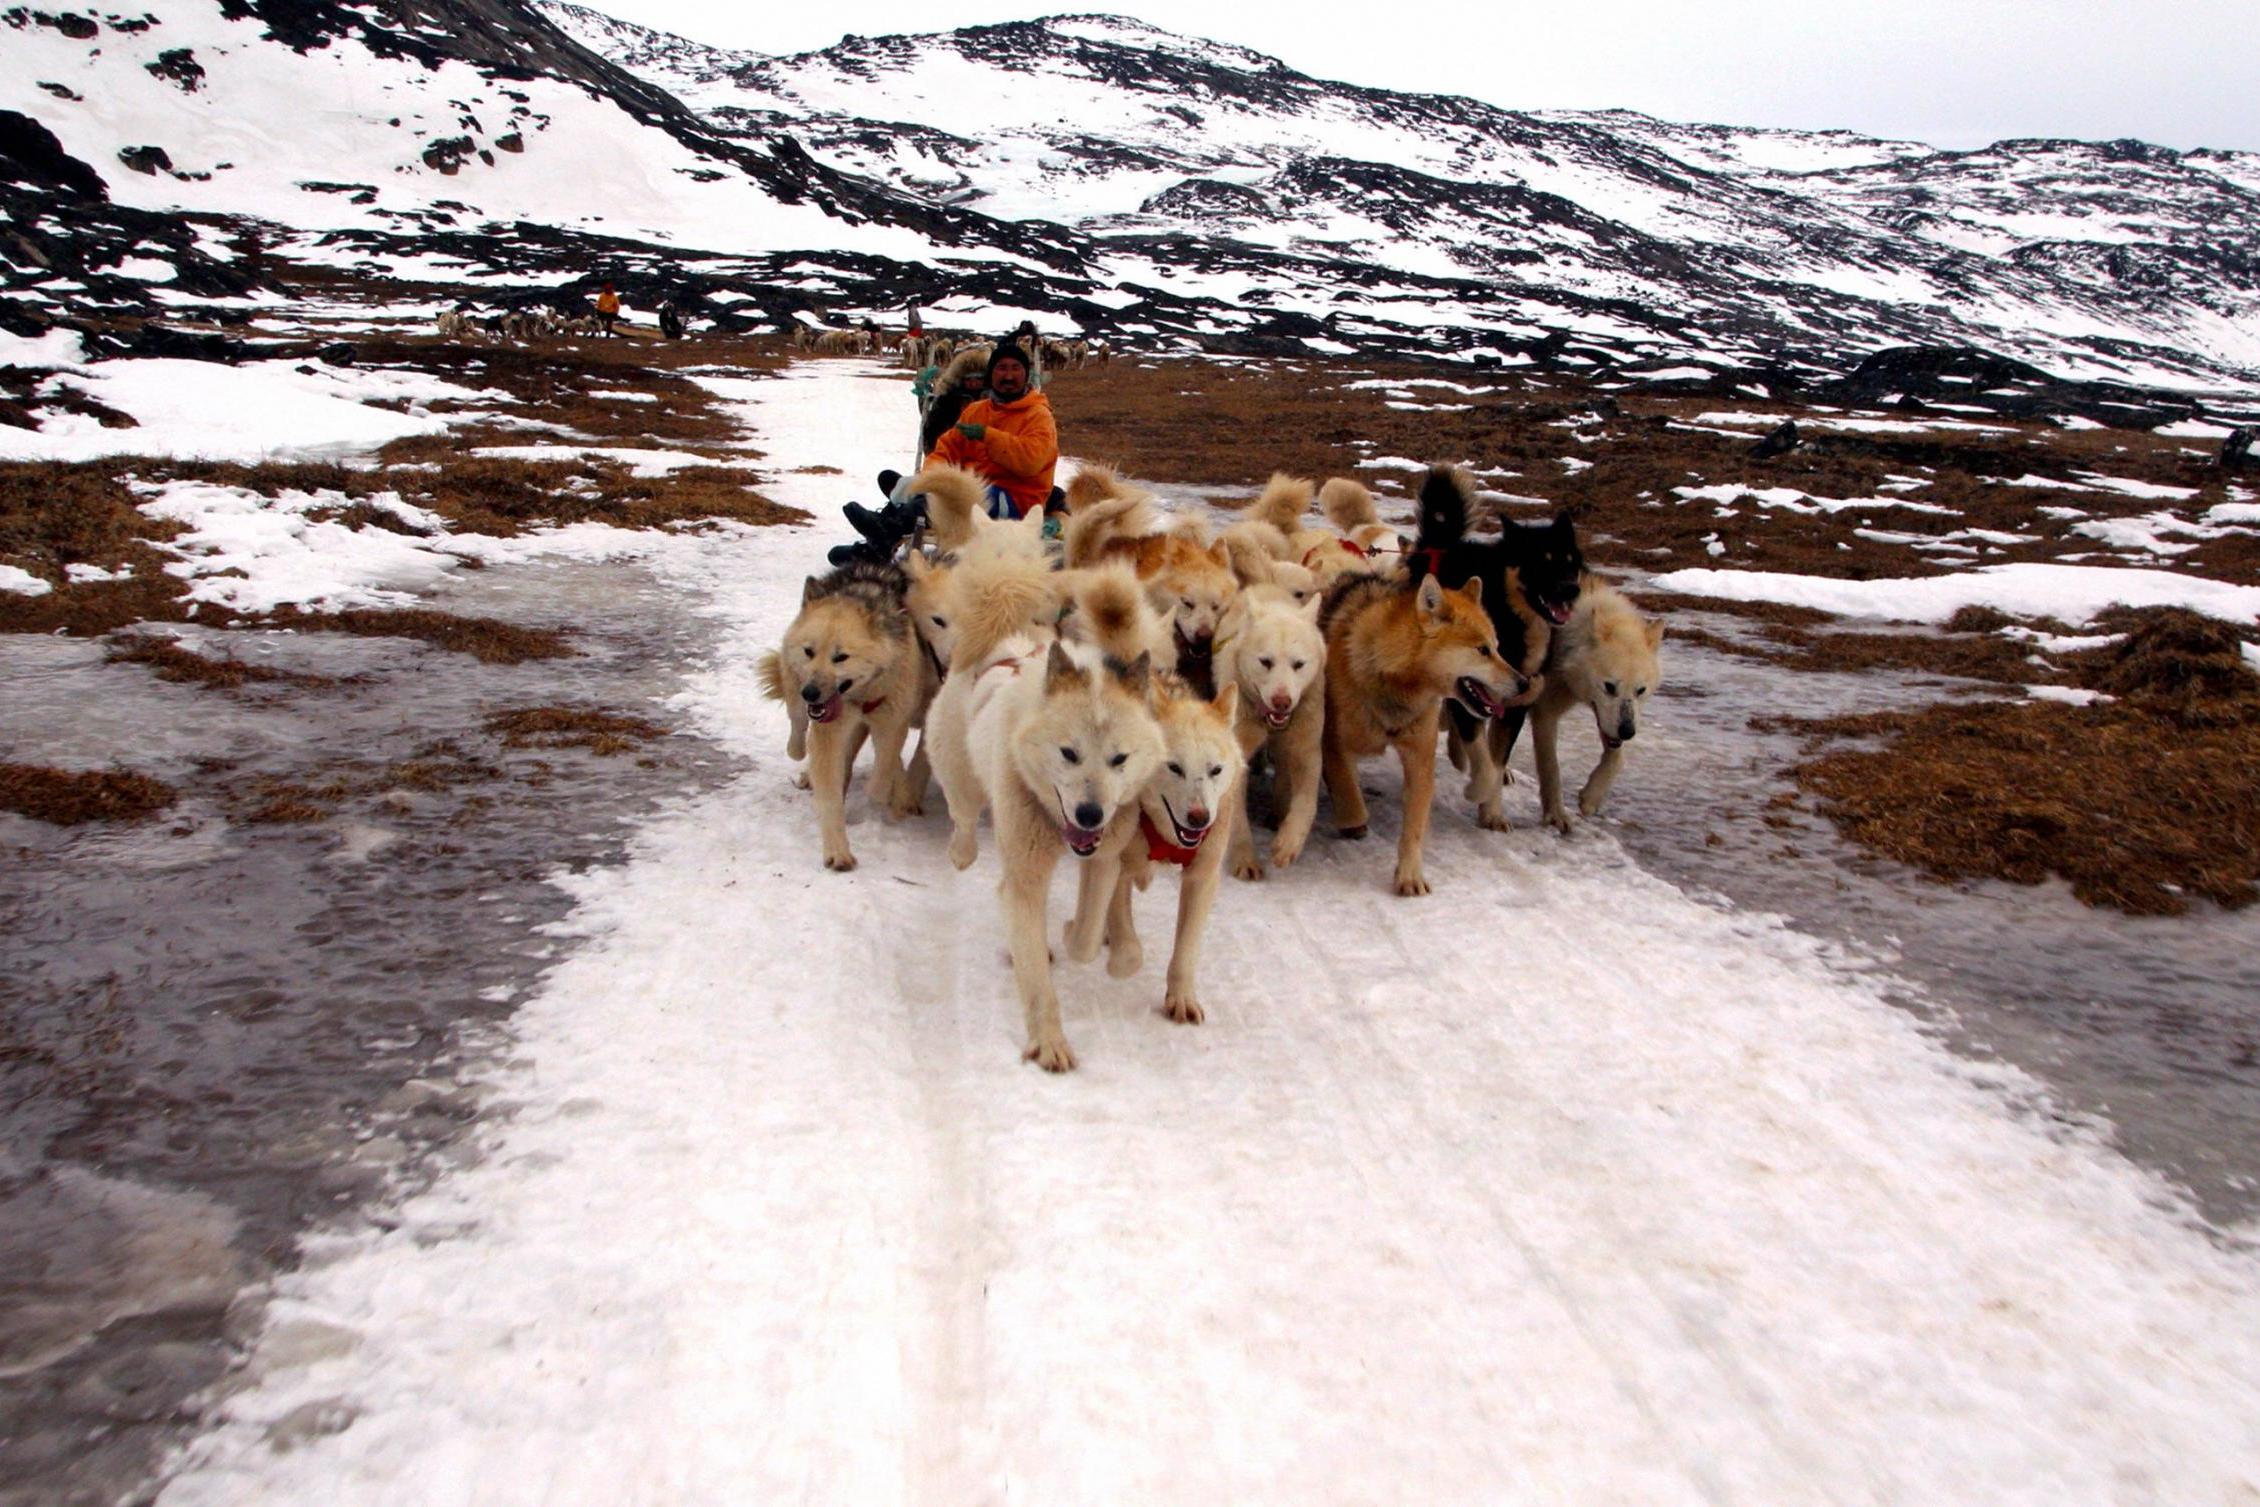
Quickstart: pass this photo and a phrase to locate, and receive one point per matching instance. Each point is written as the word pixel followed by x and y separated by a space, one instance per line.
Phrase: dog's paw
pixel 1247 868
pixel 800 779
pixel 1284 854
pixel 1125 958
pixel 1354 834
pixel 905 806
pixel 840 862
pixel 1491 819
pixel 1183 1008
pixel 1053 1056
pixel 1589 805
pixel 1411 883
pixel 1558 819
pixel 963 849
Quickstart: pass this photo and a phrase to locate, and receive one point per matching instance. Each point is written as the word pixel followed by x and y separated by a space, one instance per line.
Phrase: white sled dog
pixel 1604 658
pixel 1271 652
pixel 1178 813
pixel 1057 741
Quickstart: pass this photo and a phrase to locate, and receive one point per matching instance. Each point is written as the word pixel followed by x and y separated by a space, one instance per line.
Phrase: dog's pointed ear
pixel 1137 677
pixel 1431 597
pixel 1227 702
pixel 1060 669
pixel 808 591
pixel 1311 606
pixel 1222 555
pixel 1473 591
pixel 1563 523
pixel 1655 637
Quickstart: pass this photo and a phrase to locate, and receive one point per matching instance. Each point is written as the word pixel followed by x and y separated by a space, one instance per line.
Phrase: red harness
pixel 868 707
pixel 1160 849
pixel 1351 545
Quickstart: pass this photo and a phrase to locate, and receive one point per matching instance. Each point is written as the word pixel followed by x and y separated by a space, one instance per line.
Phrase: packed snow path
pixel 1555 1186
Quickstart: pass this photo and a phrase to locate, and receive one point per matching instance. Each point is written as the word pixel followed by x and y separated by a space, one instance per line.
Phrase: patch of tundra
pixel 2072 593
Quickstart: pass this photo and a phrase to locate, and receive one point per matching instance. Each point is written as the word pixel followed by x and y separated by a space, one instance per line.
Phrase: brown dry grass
pixel 433 769
pixel 183 666
pixel 1231 425
pixel 2139 803
pixel 68 797
pixel 489 640
pixel 598 731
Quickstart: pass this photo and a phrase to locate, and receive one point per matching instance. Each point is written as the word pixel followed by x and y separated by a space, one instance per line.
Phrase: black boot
pixel 865 553
pixel 875 524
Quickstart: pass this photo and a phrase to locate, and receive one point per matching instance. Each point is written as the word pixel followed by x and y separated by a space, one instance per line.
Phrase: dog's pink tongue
pixel 826 712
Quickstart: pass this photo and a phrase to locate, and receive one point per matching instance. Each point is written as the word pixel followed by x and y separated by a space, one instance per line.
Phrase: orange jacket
pixel 1018 453
pixel 608 303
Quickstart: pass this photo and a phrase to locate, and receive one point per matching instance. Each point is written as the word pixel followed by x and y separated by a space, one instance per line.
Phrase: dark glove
pixel 974 431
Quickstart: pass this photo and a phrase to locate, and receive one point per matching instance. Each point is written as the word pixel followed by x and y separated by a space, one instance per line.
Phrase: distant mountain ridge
pixel 1095 171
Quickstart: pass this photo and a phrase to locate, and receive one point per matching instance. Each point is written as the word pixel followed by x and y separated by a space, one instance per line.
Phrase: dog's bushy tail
pixel 1090 530
pixel 1092 484
pixel 771 669
pixel 992 599
pixel 1446 499
pixel 1253 556
pixel 953 496
pixel 1284 501
pixel 1347 504
pixel 1111 612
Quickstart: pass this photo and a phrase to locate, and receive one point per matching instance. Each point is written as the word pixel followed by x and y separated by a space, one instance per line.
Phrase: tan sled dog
pixel 1057 741
pixel 1393 653
pixel 1272 651
pixel 1178 813
pixel 852 664
pixel 1189 579
pixel 1603 658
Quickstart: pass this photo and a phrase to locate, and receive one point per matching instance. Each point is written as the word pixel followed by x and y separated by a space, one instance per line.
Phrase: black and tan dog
pixel 1530 575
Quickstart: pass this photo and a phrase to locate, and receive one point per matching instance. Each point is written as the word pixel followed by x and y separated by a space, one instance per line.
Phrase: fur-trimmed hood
pixel 974 358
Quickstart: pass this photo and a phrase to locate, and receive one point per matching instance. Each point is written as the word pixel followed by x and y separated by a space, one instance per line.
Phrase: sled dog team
pixel 1109 703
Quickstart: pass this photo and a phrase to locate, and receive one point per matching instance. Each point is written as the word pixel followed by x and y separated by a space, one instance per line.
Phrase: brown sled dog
pixel 852 665
pixel 1394 653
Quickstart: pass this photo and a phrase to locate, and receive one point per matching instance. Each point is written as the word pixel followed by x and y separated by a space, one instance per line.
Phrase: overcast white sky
pixel 1957 73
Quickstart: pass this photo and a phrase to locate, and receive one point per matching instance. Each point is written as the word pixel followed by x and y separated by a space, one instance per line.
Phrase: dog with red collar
pixel 1184 804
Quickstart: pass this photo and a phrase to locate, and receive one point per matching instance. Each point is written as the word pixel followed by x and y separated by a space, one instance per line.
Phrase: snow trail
pixel 1555 1186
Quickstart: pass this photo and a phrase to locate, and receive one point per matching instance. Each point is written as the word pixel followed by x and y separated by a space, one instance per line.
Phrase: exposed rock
pixel 447 153
pixel 510 141
pixel 29 153
pixel 178 66
pixel 1783 440
pixel 146 159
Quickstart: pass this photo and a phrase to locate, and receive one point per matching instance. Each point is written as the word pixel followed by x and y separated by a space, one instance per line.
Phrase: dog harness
pixel 1160 849
pixel 1351 545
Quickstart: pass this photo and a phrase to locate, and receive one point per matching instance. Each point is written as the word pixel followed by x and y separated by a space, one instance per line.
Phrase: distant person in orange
pixel 1007 438
pixel 608 310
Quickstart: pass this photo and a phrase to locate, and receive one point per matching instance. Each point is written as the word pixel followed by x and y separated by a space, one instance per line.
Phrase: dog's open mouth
pixel 1187 837
pixel 824 711
pixel 1477 698
pixel 1189 647
pixel 1611 741
pixel 1275 717
pixel 1081 841
pixel 1557 613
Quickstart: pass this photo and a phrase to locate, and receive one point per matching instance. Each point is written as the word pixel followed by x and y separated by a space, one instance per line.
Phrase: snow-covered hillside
pixel 1165 189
